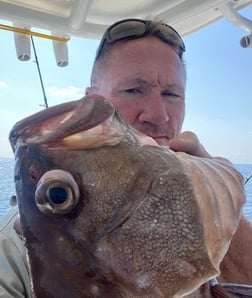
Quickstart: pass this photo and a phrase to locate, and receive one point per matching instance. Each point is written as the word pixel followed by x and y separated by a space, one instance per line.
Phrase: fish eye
pixel 57 193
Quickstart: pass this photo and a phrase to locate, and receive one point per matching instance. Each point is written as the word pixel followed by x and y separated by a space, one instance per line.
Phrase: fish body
pixel 106 212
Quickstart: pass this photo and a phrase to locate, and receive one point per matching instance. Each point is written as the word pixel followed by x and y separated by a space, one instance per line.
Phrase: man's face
pixel 145 80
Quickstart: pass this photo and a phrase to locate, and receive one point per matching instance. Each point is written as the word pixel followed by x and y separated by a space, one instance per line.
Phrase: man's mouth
pixel 161 140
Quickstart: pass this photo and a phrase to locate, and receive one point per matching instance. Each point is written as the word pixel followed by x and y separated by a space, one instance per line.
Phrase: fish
pixel 107 212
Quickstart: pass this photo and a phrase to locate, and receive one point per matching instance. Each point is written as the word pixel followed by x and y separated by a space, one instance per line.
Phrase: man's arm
pixel 236 266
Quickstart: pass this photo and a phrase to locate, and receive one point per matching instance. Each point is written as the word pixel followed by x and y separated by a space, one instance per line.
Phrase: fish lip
pixel 20 127
pixel 110 133
pixel 13 136
pixel 58 122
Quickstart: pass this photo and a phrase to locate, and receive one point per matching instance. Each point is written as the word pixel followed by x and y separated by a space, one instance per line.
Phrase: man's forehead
pixel 145 51
pixel 143 61
pixel 140 79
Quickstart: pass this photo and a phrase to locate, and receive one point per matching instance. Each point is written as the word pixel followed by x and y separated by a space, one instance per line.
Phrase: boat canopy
pixel 61 19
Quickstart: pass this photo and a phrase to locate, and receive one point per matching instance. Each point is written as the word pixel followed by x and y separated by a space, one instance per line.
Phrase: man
pixel 139 67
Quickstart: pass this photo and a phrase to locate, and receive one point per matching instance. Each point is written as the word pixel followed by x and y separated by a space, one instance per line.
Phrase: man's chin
pixel 162 141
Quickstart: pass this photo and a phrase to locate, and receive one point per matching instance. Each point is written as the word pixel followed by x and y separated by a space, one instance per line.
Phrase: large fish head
pixel 104 216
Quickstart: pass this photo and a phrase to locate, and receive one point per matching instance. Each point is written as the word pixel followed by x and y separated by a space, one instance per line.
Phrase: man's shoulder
pixel 7 220
pixel 8 235
pixel 11 244
pixel 14 276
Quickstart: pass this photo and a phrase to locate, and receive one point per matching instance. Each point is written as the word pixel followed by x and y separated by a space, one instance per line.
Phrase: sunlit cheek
pixel 179 121
pixel 128 109
pixel 176 117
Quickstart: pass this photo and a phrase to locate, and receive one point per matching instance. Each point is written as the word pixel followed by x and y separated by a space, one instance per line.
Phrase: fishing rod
pixel 247 179
pixel 39 72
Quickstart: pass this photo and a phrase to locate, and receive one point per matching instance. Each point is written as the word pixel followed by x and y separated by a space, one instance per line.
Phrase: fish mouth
pixel 110 133
pixel 87 123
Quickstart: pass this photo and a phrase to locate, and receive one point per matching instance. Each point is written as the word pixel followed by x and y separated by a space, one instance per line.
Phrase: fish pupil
pixel 58 195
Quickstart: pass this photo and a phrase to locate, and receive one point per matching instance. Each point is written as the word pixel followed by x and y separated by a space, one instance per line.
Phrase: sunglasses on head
pixel 136 28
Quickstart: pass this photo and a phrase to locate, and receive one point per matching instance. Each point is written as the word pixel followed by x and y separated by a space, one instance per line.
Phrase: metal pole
pixel 40 76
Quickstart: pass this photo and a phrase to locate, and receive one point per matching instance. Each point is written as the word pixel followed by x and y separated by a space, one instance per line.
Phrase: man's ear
pixel 89 91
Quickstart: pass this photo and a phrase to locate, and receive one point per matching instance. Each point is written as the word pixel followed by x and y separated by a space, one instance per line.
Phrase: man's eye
pixel 132 91
pixel 169 93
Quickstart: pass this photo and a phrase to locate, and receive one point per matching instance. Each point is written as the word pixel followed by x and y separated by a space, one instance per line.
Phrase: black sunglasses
pixel 136 28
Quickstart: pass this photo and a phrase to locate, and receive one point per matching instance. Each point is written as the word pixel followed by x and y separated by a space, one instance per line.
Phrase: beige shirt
pixel 14 276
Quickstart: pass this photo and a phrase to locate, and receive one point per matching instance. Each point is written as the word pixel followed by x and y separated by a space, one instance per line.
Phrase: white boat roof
pixel 89 18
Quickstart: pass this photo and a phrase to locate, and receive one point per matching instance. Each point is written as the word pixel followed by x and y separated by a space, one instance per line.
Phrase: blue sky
pixel 218 96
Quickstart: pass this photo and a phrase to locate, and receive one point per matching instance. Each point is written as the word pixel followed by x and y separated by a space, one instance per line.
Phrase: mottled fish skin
pixel 114 218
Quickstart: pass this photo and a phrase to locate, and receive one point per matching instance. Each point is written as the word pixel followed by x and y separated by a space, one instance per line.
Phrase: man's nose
pixel 154 110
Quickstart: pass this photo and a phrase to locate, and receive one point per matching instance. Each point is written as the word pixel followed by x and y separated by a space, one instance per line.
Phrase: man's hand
pixel 189 143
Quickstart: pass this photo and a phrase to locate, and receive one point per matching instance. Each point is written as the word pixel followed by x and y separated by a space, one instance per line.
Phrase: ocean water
pixel 7 188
